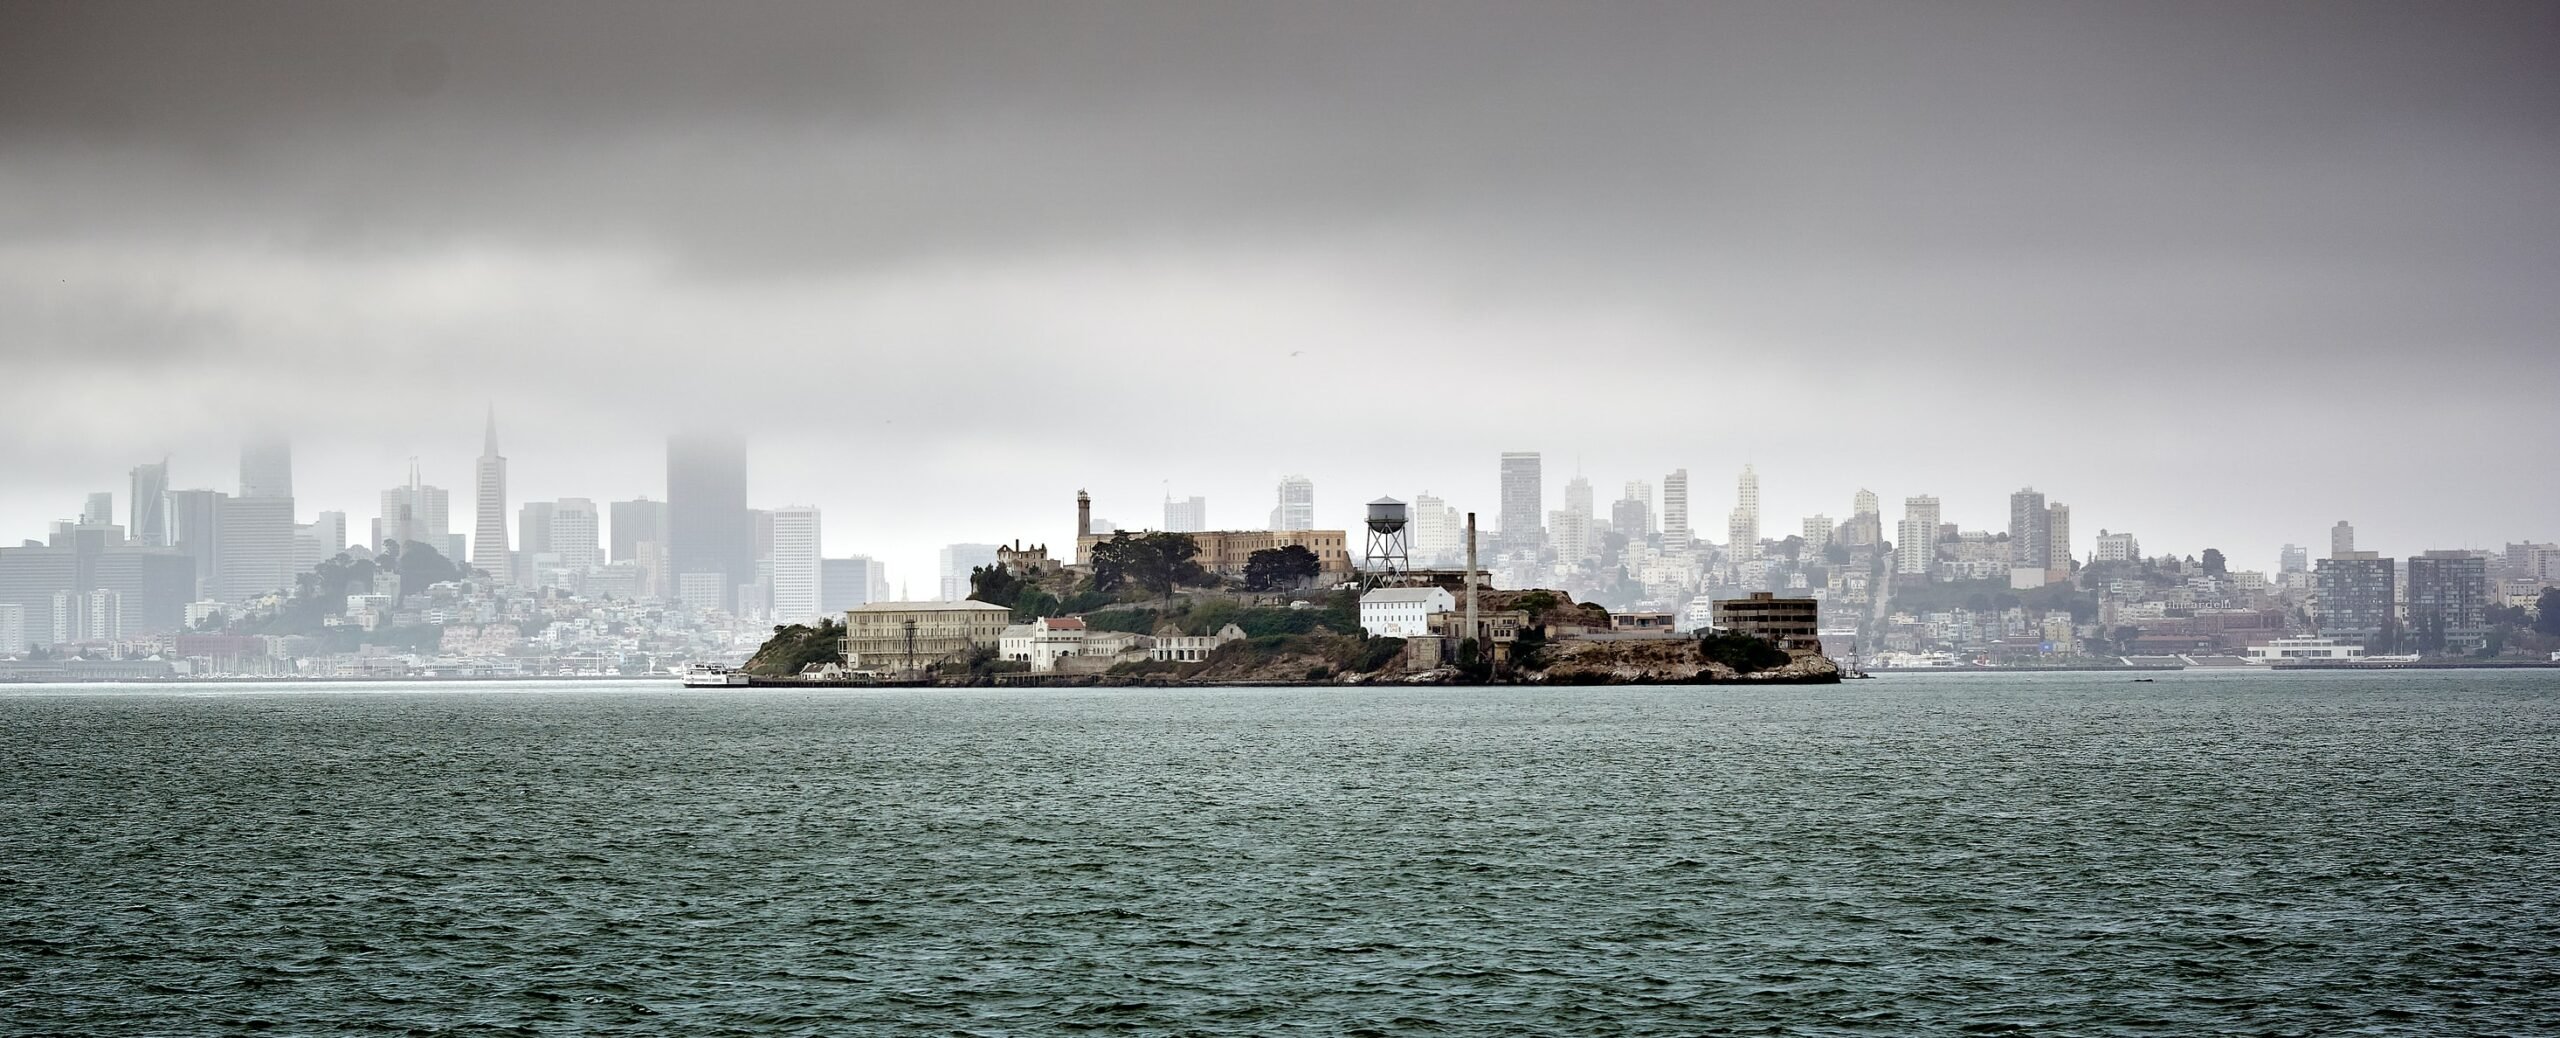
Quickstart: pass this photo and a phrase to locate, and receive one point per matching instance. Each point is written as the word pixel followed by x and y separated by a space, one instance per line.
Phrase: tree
pixel 2214 566
pixel 1157 562
pixel 2547 612
pixel 1284 567
pixel 994 585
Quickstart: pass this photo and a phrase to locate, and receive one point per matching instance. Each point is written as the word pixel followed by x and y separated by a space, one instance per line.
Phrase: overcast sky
pixel 2219 273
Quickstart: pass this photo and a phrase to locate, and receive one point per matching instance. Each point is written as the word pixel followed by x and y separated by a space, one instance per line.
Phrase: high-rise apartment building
pixel 1187 515
pixel 266 468
pixel 795 565
pixel 1817 534
pixel 1439 536
pixel 1523 502
pixel 957 561
pixel 1297 507
pixel 2057 532
pixel 147 510
pixel 2029 545
pixel 709 532
pixel 1915 543
pixel 1743 529
pixel 1676 534
pixel 2352 594
pixel 2449 599
pixel 489 534
pixel 2342 540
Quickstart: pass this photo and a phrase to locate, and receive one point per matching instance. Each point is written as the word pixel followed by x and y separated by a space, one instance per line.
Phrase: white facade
pixel 1439 533
pixel 577 534
pixel 2118 547
pixel 1297 507
pixel 1817 534
pixel 795 564
pixel 489 534
pixel 1675 511
pixel 1915 544
pixel 1188 515
pixel 1054 638
pixel 1403 612
pixel 1190 648
pixel 2304 649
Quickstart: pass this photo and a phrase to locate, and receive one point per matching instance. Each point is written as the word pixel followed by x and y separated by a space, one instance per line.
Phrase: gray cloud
pixel 1973 245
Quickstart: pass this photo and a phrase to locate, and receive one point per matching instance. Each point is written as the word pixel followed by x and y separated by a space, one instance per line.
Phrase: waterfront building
pixel 708 529
pixel 796 572
pixel 1915 547
pixel 876 634
pixel 1051 639
pixel 1791 623
pixel 1296 509
pixel 2353 595
pixel 1403 612
pixel 956 563
pixel 1174 646
pixel 2448 600
pixel 489 534
pixel 1523 503
pixel 2303 649
pixel 1186 515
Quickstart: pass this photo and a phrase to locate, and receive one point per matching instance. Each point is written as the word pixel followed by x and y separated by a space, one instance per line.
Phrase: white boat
pixel 705 675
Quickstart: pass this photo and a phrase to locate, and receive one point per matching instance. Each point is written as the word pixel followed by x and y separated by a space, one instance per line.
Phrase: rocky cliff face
pixel 1666 662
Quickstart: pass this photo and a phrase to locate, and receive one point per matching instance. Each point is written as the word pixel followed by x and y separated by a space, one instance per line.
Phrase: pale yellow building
pixel 1224 552
pixel 875 635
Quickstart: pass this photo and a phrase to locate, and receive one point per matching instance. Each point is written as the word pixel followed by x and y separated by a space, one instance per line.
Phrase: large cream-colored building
pixel 875 635
pixel 1224 552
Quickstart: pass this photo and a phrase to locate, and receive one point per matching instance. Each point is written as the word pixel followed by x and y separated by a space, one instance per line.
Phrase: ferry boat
pixel 705 675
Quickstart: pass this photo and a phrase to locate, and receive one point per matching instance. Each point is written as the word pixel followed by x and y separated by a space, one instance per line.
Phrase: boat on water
pixel 705 675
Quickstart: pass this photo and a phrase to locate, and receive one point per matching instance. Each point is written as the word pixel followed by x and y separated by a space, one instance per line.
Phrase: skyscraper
pixel 1676 534
pixel 2057 533
pixel 1632 516
pixel 2030 546
pixel 860 579
pixel 489 534
pixel 99 509
pixel 533 539
pixel 957 562
pixel 576 532
pixel 2342 540
pixel 418 512
pixel 1438 535
pixel 254 547
pixel 709 534
pixel 635 523
pixel 1296 509
pixel 1524 504
pixel 1745 527
pixel 2352 595
pixel 1577 497
pixel 1915 542
pixel 1187 515
pixel 147 511
pixel 195 530
pixel 266 468
pixel 2449 599
pixel 795 565
pixel 2293 559
pixel 1866 504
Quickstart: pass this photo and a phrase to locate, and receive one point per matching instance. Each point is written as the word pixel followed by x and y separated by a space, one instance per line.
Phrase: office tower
pixel 147 509
pixel 2293 559
pixel 533 539
pixel 1915 544
pixel 1577 498
pixel 796 576
pixel 266 468
pixel 1745 526
pixel 2352 595
pixel 1817 534
pixel 54 586
pixel 2057 535
pixel 859 580
pixel 577 534
pixel 489 534
pixel 1574 537
pixel 1523 503
pixel 99 510
pixel 1188 515
pixel 2449 599
pixel 195 530
pixel 957 562
pixel 2342 540
pixel 1676 534
pixel 254 547
pixel 318 541
pixel 13 629
pixel 636 523
pixel 709 533
pixel 1632 515
pixel 1296 509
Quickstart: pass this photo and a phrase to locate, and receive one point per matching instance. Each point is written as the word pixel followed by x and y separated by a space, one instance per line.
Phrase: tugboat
pixel 705 675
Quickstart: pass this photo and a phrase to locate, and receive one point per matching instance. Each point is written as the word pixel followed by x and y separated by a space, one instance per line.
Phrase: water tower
pixel 1390 543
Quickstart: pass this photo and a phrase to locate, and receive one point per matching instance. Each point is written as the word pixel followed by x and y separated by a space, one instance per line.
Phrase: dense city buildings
pixel 710 537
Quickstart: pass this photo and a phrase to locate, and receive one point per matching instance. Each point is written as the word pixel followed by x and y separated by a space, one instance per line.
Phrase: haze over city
pixel 2220 275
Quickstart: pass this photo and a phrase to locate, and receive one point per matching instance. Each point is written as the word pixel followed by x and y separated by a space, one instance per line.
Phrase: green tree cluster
pixel 1154 562
pixel 1287 566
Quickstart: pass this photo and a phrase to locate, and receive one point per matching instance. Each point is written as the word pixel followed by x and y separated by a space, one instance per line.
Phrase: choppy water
pixel 2277 854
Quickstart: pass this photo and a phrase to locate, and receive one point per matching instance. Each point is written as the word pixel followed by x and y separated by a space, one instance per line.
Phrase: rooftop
pixel 924 607
pixel 1404 594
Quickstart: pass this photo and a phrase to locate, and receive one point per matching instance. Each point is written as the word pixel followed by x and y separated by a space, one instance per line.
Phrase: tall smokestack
pixel 1471 580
